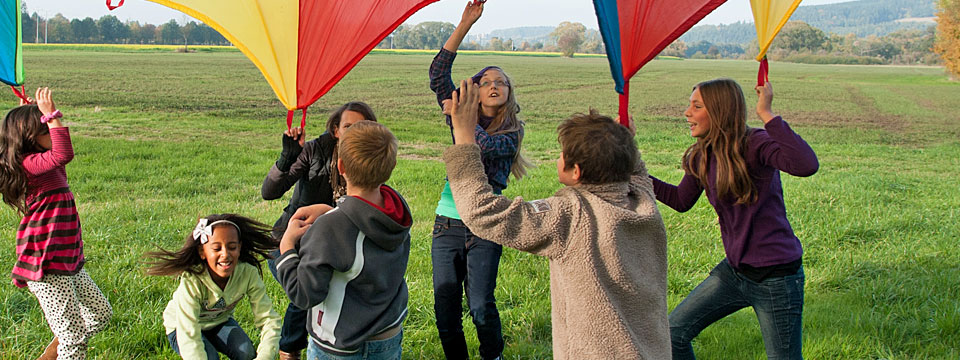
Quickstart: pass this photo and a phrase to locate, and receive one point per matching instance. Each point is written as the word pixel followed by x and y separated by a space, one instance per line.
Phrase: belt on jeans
pixel 388 333
pixel 447 220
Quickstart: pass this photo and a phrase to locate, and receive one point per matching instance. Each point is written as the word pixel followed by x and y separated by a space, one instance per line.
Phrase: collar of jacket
pixel 614 193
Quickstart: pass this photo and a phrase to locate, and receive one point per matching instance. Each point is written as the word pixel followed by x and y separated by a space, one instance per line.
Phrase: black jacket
pixel 309 168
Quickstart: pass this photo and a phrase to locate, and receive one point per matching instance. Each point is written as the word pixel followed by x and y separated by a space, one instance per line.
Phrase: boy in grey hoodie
pixel 349 269
pixel 602 233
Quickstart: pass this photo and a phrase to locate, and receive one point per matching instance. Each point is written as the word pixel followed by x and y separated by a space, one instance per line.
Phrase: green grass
pixel 163 137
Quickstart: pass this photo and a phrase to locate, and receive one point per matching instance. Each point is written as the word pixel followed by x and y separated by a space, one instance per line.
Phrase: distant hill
pixel 863 18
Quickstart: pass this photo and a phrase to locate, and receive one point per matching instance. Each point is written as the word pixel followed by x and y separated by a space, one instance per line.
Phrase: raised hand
pixel 765 102
pixel 45 101
pixel 297 134
pixel 472 12
pixel 464 105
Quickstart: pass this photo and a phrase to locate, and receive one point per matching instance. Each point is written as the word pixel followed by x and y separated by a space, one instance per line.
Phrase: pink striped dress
pixel 48 240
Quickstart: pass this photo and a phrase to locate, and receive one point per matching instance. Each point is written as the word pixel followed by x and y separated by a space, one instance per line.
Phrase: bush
pixel 832 59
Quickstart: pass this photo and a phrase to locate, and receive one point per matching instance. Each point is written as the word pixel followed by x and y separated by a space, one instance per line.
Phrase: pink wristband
pixel 56 115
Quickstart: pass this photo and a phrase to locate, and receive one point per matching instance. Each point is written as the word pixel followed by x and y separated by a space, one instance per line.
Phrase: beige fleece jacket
pixel 607 249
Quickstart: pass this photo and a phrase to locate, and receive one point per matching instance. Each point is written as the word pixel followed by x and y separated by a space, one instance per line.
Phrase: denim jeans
pixel 777 301
pixel 388 349
pixel 463 261
pixel 293 333
pixel 227 338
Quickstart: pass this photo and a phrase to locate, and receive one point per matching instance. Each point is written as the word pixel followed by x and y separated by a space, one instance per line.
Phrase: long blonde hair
pixel 726 139
pixel 506 121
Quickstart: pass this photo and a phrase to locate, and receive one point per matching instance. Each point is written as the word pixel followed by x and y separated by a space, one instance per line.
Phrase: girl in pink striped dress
pixel 34 150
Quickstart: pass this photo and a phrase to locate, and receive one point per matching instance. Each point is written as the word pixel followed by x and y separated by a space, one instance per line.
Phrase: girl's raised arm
pixel 61 149
pixel 783 149
pixel 293 163
pixel 471 13
pixel 440 81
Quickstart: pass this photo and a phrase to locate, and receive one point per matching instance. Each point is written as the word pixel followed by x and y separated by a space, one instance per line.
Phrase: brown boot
pixel 50 353
pixel 289 356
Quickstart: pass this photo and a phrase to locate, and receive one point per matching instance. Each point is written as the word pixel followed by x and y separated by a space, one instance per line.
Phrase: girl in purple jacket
pixel 739 167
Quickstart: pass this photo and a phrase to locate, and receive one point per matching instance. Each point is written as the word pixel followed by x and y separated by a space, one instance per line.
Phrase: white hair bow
pixel 203 232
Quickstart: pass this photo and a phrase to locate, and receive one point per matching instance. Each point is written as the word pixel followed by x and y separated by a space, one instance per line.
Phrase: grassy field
pixel 163 137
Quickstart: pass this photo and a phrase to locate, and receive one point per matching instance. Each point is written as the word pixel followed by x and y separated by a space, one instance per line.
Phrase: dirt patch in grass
pixel 869 117
pixel 421 151
pixel 886 122
pixel 671 111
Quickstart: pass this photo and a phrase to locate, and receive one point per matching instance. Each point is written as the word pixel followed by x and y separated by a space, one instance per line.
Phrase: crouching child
pixel 602 233
pixel 347 265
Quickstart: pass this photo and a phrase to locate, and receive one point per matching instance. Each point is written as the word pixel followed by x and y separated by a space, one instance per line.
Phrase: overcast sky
pixel 498 14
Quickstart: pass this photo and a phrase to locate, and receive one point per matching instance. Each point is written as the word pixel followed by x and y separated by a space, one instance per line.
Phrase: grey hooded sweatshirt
pixel 349 272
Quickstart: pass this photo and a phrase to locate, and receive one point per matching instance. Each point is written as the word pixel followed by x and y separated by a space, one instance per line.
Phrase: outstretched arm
pixel 440 80
pixel 471 13
pixel 680 197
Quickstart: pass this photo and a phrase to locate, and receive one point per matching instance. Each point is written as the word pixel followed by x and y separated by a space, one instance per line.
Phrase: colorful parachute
pixel 302 47
pixel 11 51
pixel 635 31
pixel 769 16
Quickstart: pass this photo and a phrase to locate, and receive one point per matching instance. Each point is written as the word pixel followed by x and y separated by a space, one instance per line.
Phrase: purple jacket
pixel 757 234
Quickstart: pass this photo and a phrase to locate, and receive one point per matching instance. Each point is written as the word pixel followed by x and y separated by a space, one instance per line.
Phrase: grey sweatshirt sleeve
pixel 305 275
pixel 540 227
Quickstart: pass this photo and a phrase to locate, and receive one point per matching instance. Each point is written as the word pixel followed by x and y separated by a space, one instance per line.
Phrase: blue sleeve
pixel 498 146
pixel 441 81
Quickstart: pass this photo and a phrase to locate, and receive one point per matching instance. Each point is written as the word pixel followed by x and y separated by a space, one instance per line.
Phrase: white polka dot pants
pixel 75 310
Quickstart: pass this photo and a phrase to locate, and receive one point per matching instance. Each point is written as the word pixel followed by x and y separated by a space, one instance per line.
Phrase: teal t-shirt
pixel 446 207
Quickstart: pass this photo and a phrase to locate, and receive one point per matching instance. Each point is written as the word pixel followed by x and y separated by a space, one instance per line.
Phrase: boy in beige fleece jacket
pixel 602 233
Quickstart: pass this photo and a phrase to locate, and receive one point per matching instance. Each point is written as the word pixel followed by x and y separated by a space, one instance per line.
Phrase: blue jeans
pixel 388 349
pixel 293 334
pixel 461 260
pixel 227 338
pixel 777 301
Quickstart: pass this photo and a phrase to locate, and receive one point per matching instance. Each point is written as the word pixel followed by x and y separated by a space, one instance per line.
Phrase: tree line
pixel 110 30
pixel 567 38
